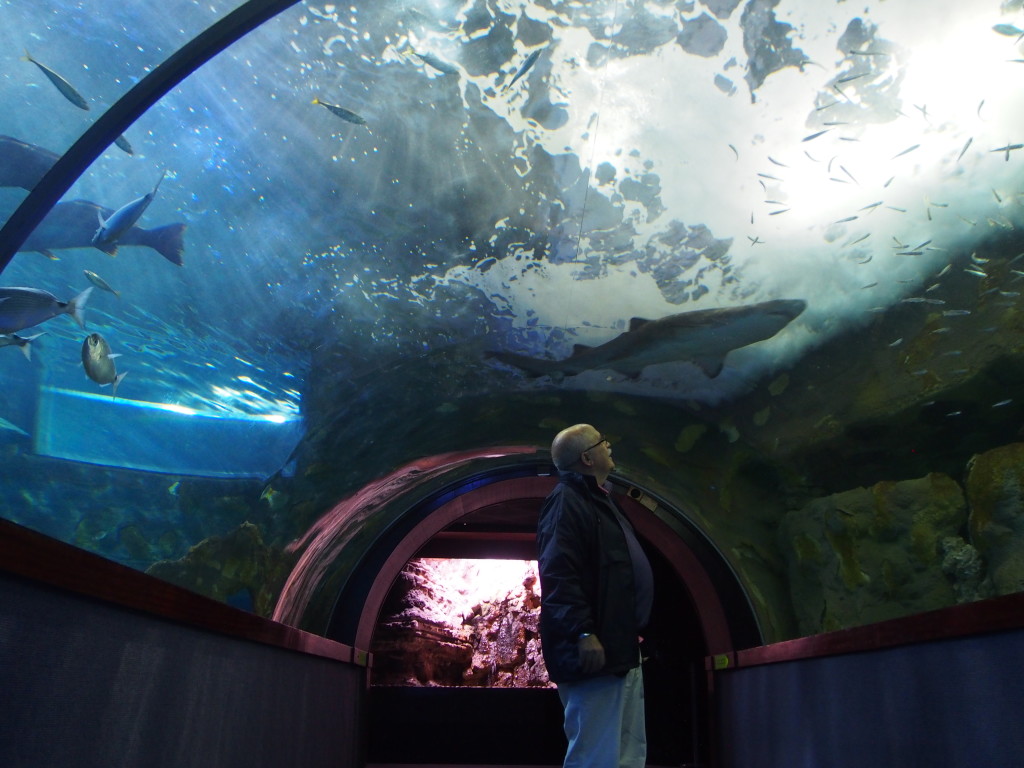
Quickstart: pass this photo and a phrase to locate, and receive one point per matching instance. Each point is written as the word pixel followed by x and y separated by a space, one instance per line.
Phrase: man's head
pixel 583 449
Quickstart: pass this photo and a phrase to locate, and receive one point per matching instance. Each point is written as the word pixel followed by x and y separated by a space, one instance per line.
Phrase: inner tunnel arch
pixel 441 523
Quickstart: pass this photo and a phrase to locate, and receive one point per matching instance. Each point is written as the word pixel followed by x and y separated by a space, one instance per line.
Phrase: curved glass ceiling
pixel 358 185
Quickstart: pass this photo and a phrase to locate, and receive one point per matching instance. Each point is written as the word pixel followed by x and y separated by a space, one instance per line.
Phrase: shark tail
pixel 168 241
pixel 76 307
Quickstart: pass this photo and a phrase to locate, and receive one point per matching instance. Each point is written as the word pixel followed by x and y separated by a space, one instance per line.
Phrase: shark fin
pixel 712 366
pixel 636 323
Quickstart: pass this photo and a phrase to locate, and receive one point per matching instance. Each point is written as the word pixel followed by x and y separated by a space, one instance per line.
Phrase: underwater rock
pixel 237 568
pixel 995 491
pixel 702 36
pixel 872 554
pixel 963 565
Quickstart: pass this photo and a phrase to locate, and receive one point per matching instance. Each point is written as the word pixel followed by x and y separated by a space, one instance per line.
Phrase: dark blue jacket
pixel 586 579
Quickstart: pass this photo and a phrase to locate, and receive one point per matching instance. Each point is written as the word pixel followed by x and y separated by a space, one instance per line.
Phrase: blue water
pixel 657 157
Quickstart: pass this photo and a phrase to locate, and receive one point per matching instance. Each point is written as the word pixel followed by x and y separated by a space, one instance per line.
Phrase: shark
pixel 703 337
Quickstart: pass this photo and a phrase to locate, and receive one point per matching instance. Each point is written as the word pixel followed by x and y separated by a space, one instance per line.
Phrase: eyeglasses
pixel 604 439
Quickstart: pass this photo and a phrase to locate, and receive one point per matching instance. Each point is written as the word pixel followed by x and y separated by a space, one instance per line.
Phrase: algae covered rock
pixel 872 554
pixel 995 490
pixel 237 568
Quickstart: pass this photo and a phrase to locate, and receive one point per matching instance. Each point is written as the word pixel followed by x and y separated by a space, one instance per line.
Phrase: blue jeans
pixel 604 721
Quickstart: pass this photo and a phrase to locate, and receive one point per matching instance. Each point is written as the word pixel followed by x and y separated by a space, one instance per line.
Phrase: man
pixel 596 593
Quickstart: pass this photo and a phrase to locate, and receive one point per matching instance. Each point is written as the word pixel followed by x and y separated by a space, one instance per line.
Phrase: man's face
pixel 600 454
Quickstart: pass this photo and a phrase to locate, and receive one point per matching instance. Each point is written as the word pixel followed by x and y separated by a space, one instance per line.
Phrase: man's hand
pixel 591 654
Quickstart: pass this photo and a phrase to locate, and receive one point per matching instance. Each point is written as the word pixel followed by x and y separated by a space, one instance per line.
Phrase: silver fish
pixel 124 218
pixel 98 361
pixel 99 282
pixel 25 307
pixel 441 66
pixel 62 85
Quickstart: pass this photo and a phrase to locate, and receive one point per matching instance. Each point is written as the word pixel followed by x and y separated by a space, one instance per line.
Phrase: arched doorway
pixel 700 609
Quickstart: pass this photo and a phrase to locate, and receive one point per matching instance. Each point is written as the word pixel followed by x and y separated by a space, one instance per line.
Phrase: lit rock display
pixel 442 626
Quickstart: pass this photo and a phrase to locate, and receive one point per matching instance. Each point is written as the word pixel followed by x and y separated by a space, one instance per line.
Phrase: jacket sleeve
pixel 568 580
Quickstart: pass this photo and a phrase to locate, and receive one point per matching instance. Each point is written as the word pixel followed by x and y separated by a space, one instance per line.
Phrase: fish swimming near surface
pixel 25 307
pixel 66 89
pixel 124 218
pixel 98 361
pixel 345 114
pixel 702 337
pixel 530 61
pixel 13 340
pixel 441 66
pixel 23 164
pixel 72 224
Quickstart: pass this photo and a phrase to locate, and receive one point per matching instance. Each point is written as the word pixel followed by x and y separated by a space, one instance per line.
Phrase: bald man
pixel 596 594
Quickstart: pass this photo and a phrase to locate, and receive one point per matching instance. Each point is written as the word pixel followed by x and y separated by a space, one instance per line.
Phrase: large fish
pixel 98 361
pixel 22 164
pixel 25 307
pixel 120 221
pixel 66 89
pixel 703 337
pixel 73 224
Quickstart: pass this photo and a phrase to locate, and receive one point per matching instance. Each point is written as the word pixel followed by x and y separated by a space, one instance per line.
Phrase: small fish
pixel 997 197
pixel 890 181
pixel 441 66
pixel 871 207
pixel 100 283
pixel 894 208
pixel 869 285
pixel 776 213
pixel 122 144
pixel 124 218
pixel 861 239
pixel 345 114
pixel 848 174
pixel 906 151
pixel 735 151
pixel 173 487
pixel 955 312
pixel 851 78
pixel 964 150
pixel 776 162
pixel 897 342
pixel 1007 29
pixel 975 272
pixel 1001 403
pixel 848 218
pixel 754 240
pixel 813 136
pixel 769 177
pixel 98 361
pixel 1008 149
pixel 530 61
pixel 62 85
pixel 25 307
pixel 13 340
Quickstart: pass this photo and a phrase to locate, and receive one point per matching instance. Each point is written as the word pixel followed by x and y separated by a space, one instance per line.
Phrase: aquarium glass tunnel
pixel 281 282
